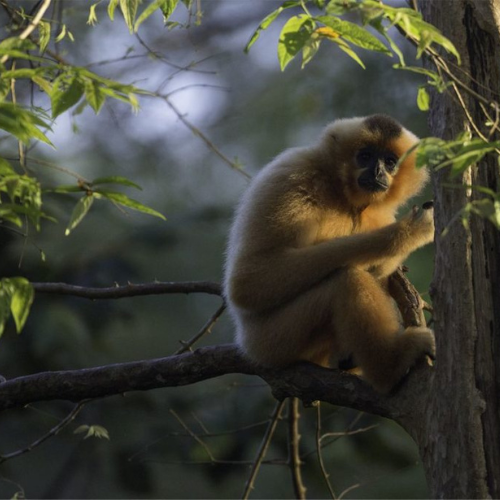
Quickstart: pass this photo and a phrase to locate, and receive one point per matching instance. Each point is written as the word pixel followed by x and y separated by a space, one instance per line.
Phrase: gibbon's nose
pixel 379 169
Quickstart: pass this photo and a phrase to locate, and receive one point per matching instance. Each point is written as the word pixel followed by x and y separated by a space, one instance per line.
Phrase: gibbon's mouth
pixel 373 185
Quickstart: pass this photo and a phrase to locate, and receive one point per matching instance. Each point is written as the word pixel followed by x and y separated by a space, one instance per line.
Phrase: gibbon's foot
pixel 422 341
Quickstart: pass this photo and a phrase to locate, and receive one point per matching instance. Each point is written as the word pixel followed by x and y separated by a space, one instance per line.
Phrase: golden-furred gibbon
pixel 313 242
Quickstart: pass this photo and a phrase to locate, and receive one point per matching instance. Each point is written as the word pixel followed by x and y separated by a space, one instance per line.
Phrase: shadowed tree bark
pixel 458 431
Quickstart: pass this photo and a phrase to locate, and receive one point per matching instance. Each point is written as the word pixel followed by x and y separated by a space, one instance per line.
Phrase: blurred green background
pixel 251 111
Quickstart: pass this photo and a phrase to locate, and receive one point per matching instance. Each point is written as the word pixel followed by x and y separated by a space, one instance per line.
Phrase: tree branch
pixel 130 290
pixel 306 381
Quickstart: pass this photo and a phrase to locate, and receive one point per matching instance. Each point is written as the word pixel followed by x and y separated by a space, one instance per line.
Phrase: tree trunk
pixel 459 434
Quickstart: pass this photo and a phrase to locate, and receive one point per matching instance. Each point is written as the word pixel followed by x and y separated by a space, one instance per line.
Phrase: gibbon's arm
pixel 266 280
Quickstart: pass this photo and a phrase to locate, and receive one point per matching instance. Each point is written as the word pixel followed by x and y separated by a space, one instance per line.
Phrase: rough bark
pixel 306 381
pixel 459 433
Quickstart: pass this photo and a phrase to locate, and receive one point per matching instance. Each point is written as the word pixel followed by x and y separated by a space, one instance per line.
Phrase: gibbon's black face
pixel 378 167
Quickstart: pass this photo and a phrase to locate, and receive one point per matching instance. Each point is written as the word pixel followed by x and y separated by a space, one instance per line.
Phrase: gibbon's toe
pixel 431 355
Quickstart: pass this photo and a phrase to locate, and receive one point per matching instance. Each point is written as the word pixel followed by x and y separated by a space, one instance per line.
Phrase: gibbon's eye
pixel 390 163
pixel 364 155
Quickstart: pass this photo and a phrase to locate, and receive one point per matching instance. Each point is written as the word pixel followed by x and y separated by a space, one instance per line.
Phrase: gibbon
pixel 311 248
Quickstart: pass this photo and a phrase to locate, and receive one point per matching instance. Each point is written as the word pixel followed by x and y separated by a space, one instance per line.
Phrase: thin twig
pixel 194 436
pixel 164 60
pixel 205 435
pixel 53 432
pixel 207 328
pixel 346 432
pixel 338 435
pixel 348 489
pixel 264 446
pixel 197 132
pixel 204 428
pixel 319 454
pixel 245 463
pixel 294 461
pixel 130 290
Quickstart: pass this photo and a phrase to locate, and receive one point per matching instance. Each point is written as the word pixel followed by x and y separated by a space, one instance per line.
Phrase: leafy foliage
pixel 16 297
pixel 303 33
pixel 66 85
pixel 133 17
pixel 97 431
pixel 91 192
pixel 458 156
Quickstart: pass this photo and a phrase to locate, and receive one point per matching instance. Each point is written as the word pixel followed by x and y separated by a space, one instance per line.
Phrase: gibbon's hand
pixel 420 223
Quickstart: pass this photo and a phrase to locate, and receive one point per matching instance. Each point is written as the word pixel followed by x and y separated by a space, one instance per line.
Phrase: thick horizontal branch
pixel 304 380
pixel 130 290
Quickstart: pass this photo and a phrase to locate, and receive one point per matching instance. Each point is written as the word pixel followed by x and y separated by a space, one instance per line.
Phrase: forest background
pixel 224 110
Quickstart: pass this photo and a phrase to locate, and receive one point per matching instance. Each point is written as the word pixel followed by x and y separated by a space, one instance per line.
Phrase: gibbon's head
pixel 366 152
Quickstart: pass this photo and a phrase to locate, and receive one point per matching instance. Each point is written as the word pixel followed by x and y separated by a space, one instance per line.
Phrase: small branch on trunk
pixel 407 298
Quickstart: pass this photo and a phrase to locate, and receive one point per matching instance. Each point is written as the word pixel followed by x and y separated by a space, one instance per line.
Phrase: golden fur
pixel 310 250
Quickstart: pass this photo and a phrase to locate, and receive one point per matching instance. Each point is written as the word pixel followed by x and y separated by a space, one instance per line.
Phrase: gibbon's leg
pixel 299 330
pixel 367 324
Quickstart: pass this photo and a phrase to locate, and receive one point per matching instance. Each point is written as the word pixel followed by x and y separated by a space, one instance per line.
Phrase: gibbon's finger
pixel 428 205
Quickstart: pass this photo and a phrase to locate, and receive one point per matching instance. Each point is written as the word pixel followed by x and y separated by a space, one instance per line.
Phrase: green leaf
pixel 167 8
pixel 115 179
pixel 339 7
pixel 92 19
pixel 79 212
pixel 125 201
pixel 129 11
pixel 423 99
pixel 310 49
pixel 44 30
pixel 21 301
pixel 266 22
pixel 378 25
pixel 66 92
pixel 487 209
pixel 14 43
pixel 412 23
pixel 150 9
pixel 62 34
pixel 4 89
pixel 4 305
pixel 97 431
pixel 355 34
pixel 94 95
pixel 344 46
pixel 20 73
pixel 293 37
pixel 5 167
pixel 45 85
pixel 16 48
pixel 111 8
pixel 21 123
